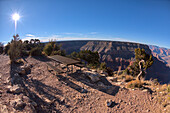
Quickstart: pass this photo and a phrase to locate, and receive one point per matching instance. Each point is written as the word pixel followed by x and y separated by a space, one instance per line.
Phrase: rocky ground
pixel 32 87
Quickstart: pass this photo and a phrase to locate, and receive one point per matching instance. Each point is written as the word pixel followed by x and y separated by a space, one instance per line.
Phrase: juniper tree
pixel 15 48
pixel 142 62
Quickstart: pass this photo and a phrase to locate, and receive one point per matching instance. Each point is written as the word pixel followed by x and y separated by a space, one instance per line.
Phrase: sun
pixel 15 17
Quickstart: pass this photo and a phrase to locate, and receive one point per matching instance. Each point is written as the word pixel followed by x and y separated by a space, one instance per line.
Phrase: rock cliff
pixel 160 53
pixel 118 55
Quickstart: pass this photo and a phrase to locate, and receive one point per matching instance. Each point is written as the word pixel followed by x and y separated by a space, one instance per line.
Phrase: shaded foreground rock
pixel 94 76
pixel 18 103
pixel 113 79
pixel 110 103
pixel 25 69
pixel 14 89
pixel 3 109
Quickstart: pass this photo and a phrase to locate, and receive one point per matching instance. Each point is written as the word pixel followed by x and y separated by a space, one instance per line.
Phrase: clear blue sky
pixel 143 21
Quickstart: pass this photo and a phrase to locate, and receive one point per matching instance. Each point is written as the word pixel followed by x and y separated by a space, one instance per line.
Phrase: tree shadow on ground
pixel 40 94
pixel 69 83
pixel 45 96
pixel 103 85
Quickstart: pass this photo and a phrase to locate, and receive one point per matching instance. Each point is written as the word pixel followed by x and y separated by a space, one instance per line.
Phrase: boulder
pixel 103 73
pixel 7 80
pixel 83 90
pixel 17 103
pixel 21 71
pixel 145 90
pixel 14 89
pixel 113 79
pixel 109 103
pixel 16 78
pixel 100 84
pixel 3 109
pixel 84 69
pixel 33 103
pixel 24 69
pixel 94 77
pixel 93 70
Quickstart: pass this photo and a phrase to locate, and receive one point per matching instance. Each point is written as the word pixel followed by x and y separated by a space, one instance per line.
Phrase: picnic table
pixel 66 61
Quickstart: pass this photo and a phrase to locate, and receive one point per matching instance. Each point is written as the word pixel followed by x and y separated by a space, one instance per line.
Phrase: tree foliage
pixel 15 48
pixel 53 49
pixel 74 55
pixel 142 62
pixel 89 56
pixel 1 47
pixel 103 66
pixel 36 51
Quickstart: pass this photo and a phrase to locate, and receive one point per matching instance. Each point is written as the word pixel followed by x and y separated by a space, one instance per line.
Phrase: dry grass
pixel 135 84
pixel 19 61
pixel 168 88
pixel 163 95
pixel 128 78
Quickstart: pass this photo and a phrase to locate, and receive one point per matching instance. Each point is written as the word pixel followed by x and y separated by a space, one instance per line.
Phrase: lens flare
pixel 15 17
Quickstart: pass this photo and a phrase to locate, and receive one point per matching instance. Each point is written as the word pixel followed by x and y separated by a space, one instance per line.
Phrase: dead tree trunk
pixel 141 70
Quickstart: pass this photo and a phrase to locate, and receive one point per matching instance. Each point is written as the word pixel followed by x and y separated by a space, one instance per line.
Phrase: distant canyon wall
pixel 118 55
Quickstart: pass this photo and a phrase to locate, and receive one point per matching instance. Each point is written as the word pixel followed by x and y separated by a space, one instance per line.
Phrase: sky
pixel 141 21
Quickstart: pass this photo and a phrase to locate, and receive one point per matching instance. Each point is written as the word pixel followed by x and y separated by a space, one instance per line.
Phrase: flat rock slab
pixel 95 77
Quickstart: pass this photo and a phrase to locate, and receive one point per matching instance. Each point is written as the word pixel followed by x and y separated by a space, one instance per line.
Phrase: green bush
pixel 6 48
pixel 103 66
pixel 53 49
pixel 1 47
pixel 36 51
pixel 168 88
pixel 74 55
pixel 25 53
pixel 89 56
pixel 109 71
pixel 15 48
pixel 48 49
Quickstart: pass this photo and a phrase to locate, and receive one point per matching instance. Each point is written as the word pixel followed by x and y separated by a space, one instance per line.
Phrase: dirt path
pixel 75 93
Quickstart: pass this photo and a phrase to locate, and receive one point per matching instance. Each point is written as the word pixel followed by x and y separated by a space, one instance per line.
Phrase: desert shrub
pixel 15 48
pixel 53 49
pixel 135 84
pixel 168 88
pixel 121 77
pixel 74 55
pixel 128 78
pixel 36 51
pixel 59 52
pixel 89 56
pixel 155 81
pixel 109 71
pixel 92 66
pixel 103 66
pixel 63 53
pixel 48 49
pixel 25 53
pixel 1 47
pixel 6 48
